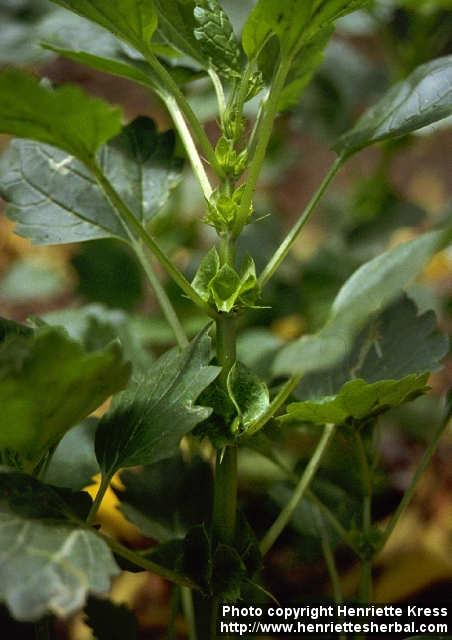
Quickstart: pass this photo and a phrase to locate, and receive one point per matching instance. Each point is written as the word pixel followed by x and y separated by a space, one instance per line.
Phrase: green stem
pixel 148 565
pixel 263 138
pixel 274 406
pixel 284 248
pixel 104 484
pixel 162 297
pixel 137 229
pixel 171 633
pixel 330 561
pixel 189 612
pixel 287 512
pixel 225 496
pixel 409 493
pixel 219 92
pixel 172 89
pixel 192 152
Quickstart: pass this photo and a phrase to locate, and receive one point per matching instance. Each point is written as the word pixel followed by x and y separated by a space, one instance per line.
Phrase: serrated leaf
pixel 50 209
pixel 369 290
pixel 166 499
pixel 358 400
pixel 148 420
pixel 248 393
pixel 48 383
pixel 294 23
pixel 111 621
pixel 421 99
pixel 134 21
pixel 216 38
pixel 74 462
pixel 50 568
pixel 64 117
pixel 395 344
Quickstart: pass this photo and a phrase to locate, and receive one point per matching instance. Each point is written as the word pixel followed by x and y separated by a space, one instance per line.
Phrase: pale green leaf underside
pixel 148 420
pixel 369 290
pixel 54 199
pixel 64 117
pixel 421 99
pixel 50 568
pixel 48 383
pixel 358 400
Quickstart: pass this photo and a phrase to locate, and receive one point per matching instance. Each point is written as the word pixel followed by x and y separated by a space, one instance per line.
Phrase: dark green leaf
pixel 216 38
pixel 111 621
pixel 395 344
pixel 65 117
pixel 50 568
pixel 207 270
pixel 50 209
pixel 48 383
pixel 134 21
pixel 9 328
pixel 74 462
pixel 229 288
pixel 248 393
pixel 370 289
pixel 423 98
pixel 358 400
pixel 166 499
pixel 177 25
pixel 148 420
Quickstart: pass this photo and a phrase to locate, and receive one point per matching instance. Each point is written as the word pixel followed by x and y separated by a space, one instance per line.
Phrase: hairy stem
pixel 162 297
pixel 274 406
pixel 284 248
pixel 138 230
pixel 262 140
pixel 287 512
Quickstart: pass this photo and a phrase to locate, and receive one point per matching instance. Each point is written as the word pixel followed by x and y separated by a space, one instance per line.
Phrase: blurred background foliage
pixel 385 196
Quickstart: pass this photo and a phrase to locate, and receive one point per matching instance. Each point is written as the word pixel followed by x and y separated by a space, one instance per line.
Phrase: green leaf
pixel 111 621
pixel 50 209
pixel 166 499
pixel 49 383
pixel 177 25
pixel 216 38
pixel 421 99
pixel 228 573
pixel 294 23
pixel 305 64
pixel 50 568
pixel 65 117
pixel 74 462
pixel 358 400
pixel 370 289
pixel 248 393
pixel 148 420
pixel 133 21
pixel 396 343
